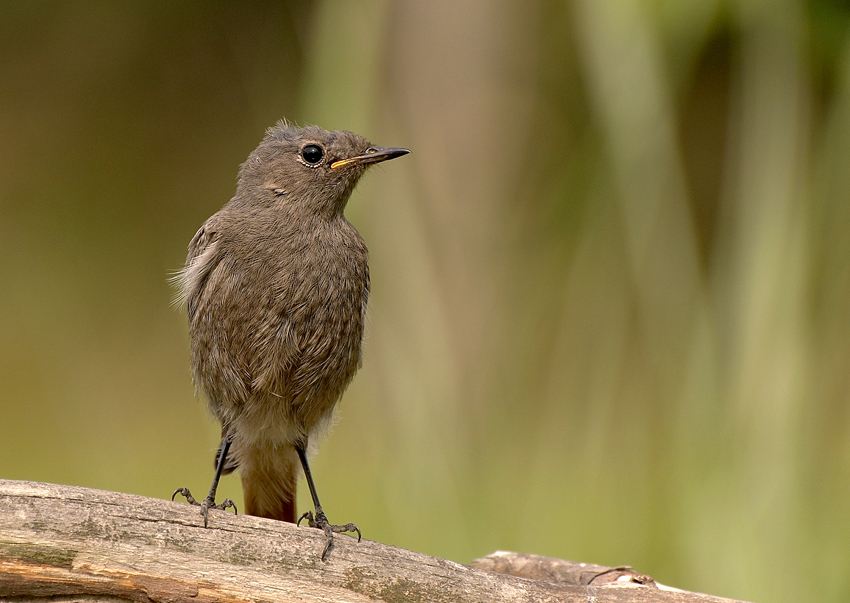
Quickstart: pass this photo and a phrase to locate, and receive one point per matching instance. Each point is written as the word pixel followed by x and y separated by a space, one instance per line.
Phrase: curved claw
pixel 321 522
pixel 349 527
pixel 309 517
pixel 227 504
pixel 329 545
pixel 207 504
pixel 185 492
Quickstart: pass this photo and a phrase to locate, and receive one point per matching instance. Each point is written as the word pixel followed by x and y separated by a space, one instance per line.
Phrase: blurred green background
pixel 610 318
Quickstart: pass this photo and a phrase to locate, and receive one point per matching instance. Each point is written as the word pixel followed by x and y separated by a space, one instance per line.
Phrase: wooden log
pixel 65 543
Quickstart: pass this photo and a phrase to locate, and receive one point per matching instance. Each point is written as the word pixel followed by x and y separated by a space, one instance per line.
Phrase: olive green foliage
pixel 611 286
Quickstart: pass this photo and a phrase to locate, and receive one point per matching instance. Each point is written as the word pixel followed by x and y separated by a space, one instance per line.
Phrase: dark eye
pixel 312 154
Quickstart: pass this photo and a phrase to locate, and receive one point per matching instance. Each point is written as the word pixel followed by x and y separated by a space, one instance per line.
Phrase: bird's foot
pixel 321 521
pixel 207 504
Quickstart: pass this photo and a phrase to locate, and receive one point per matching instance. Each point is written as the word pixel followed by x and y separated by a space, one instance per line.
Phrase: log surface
pixel 67 543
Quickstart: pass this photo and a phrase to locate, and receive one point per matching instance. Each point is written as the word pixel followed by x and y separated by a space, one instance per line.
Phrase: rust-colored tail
pixel 269 478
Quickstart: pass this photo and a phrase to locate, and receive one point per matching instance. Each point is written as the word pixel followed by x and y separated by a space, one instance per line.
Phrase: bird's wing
pixel 204 255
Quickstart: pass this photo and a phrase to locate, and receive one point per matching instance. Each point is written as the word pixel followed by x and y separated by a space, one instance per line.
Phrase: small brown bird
pixel 276 285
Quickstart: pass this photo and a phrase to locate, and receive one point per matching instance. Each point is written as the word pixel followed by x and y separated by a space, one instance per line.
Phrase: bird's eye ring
pixel 312 154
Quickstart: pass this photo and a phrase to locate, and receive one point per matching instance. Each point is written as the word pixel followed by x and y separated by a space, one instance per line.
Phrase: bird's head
pixel 308 170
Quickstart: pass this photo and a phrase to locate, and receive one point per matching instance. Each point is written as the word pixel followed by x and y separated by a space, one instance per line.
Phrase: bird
pixel 276 286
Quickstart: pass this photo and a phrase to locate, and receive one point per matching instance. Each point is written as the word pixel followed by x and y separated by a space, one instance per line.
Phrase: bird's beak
pixel 372 155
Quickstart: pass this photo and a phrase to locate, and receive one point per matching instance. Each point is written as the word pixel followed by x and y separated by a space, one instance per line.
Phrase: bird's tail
pixel 269 478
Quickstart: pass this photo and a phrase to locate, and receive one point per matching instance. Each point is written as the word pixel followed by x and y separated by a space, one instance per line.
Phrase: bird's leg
pixel 320 520
pixel 209 502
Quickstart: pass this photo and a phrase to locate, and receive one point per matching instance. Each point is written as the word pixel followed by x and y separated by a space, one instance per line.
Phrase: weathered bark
pixel 67 543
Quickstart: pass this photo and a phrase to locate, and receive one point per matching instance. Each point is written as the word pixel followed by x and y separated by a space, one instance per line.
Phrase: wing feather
pixel 204 256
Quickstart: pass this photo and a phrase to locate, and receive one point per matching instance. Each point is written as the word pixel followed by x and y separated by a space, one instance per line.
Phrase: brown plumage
pixel 276 285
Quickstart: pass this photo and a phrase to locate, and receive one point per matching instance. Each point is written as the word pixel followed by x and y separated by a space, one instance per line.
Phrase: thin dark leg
pixel 219 468
pixel 302 454
pixel 320 520
pixel 209 501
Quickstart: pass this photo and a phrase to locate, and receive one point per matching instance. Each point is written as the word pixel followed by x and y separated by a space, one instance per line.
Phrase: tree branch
pixel 69 543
